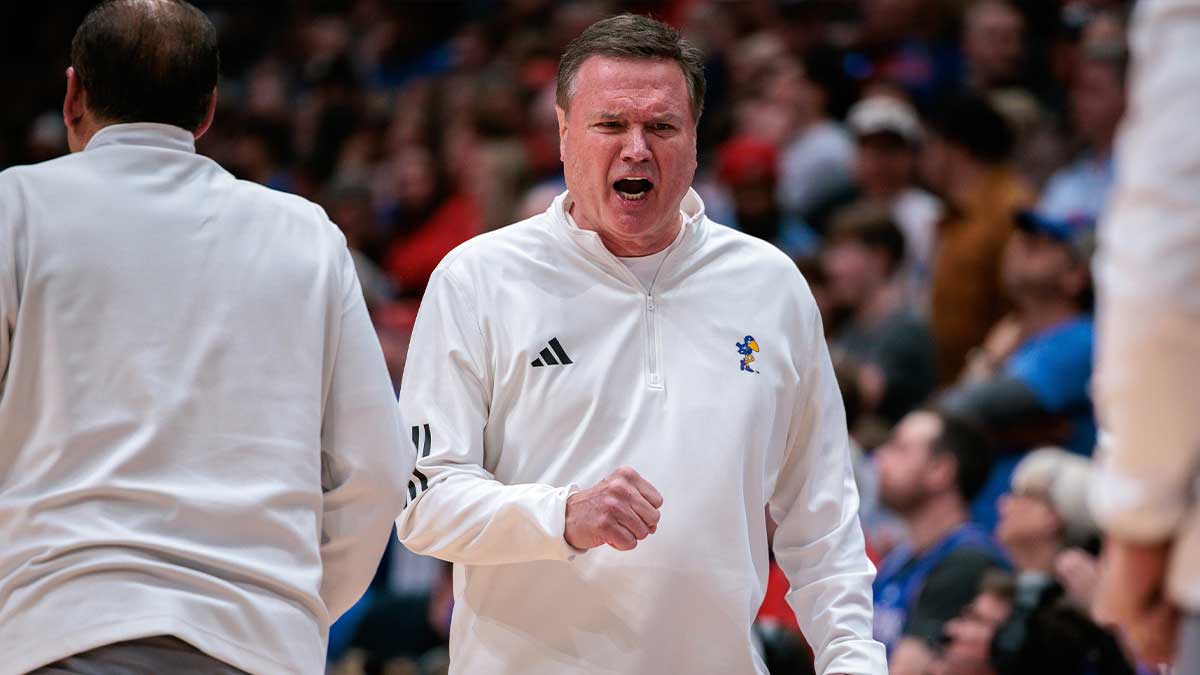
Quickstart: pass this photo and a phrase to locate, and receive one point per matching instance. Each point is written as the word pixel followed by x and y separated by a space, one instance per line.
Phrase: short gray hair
pixel 629 36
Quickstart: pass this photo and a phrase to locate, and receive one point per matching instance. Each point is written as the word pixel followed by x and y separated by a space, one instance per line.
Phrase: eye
pixel 662 126
pixel 610 124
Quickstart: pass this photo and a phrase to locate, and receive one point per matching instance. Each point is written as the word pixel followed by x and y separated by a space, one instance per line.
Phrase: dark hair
pixel 629 36
pixel 872 226
pixel 965 440
pixel 147 62
pixel 973 123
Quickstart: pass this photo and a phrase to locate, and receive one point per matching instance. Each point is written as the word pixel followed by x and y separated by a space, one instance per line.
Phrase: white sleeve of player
pixel 819 543
pixel 364 460
pixel 10 205
pixel 457 510
pixel 1148 274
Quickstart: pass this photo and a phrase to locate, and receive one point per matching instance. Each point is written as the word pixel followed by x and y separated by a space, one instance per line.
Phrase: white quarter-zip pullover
pixel 198 436
pixel 539 364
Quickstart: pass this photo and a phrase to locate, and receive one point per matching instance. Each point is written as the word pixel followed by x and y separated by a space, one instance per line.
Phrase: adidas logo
pixel 552 358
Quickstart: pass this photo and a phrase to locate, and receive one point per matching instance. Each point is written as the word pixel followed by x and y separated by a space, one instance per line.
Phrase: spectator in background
pixel 349 205
pixel 967 649
pixel 1028 382
pixel 1033 370
pixel 815 162
pixel 1049 631
pixel 1046 513
pixel 966 162
pixel 900 41
pixel 929 471
pixel 432 214
pixel 748 168
pixel 890 345
pixel 888 135
pixel 993 43
pixel 1097 103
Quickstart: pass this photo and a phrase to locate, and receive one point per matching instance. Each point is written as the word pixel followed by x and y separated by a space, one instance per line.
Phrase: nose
pixel 635 148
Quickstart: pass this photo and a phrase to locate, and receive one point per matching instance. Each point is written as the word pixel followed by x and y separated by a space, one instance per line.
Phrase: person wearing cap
pixel 1028 382
pixel 748 167
pixel 1033 370
pixel 888 135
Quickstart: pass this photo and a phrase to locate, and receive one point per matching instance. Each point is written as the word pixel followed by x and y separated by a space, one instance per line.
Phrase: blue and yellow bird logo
pixel 747 349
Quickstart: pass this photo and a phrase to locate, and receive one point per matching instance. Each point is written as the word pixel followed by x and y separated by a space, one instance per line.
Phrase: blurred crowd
pixel 935 167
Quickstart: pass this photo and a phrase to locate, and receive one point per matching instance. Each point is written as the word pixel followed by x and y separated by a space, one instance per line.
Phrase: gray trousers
pixel 148 656
pixel 1188 661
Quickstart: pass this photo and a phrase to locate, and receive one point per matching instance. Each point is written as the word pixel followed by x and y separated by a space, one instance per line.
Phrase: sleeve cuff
pixel 853 657
pixel 1131 509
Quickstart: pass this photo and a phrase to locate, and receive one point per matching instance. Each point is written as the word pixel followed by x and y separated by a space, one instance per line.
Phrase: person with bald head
pixel 200 453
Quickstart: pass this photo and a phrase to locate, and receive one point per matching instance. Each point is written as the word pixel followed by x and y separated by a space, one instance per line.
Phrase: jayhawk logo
pixel 747 350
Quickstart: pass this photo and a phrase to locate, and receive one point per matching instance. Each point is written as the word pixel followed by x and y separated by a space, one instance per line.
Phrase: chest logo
pixel 554 355
pixel 748 349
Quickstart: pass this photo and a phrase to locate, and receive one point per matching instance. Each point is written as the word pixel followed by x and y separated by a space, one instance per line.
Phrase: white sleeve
pixel 1148 274
pixel 9 213
pixel 364 460
pixel 457 510
pixel 819 543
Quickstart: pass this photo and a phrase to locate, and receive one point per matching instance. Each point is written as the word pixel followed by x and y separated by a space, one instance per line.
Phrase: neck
pixel 1039 314
pixel 634 245
pixel 934 520
pixel 968 179
pixel 82 131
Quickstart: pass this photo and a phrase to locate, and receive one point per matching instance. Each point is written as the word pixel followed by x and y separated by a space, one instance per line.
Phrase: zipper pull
pixel 650 303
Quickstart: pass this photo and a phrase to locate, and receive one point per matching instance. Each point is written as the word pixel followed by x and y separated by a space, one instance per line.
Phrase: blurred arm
pixel 1149 281
pixel 9 215
pixel 457 510
pixel 819 542
pixel 364 463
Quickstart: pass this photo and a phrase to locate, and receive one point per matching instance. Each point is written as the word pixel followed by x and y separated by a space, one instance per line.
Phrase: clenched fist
pixel 620 511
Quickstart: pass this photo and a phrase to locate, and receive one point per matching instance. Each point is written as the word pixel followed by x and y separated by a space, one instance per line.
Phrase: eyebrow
pixel 618 117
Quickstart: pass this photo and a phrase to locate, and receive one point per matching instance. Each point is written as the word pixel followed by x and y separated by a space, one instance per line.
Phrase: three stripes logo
pixel 422 452
pixel 554 355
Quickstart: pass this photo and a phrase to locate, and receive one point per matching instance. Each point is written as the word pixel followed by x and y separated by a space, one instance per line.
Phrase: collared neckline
pixel 691 208
pixel 149 134
pixel 690 235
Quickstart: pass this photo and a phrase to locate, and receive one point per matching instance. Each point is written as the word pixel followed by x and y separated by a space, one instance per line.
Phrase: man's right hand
pixel 620 511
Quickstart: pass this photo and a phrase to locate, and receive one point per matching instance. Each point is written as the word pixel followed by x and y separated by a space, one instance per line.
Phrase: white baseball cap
pixel 884 114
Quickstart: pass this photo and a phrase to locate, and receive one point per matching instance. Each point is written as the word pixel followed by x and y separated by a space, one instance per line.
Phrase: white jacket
pixel 197 432
pixel 1148 356
pixel 539 364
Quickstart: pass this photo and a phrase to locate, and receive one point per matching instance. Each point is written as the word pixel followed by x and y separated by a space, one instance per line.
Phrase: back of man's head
pixel 963 439
pixel 147 61
pixel 972 123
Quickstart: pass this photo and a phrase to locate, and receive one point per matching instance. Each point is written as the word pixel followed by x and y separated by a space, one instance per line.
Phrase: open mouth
pixel 633 189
